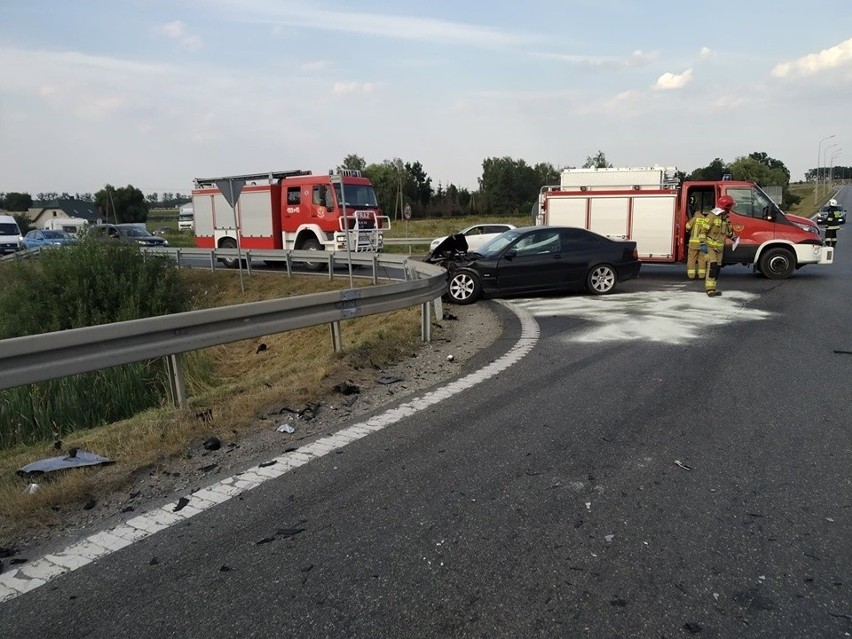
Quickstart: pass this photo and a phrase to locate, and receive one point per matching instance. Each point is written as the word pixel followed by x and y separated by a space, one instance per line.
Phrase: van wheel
pixel 229 243
pixel 601 279
pixel 777 263
pixel 312 245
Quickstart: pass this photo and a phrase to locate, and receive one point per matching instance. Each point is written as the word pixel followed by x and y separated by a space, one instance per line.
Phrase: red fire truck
pixel 651 207
pixel 288 210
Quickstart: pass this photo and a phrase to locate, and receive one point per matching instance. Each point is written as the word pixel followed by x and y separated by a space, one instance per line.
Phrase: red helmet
pixel 725 202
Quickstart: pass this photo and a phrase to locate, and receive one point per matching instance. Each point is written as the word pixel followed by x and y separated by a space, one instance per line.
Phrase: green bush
pixel 92 283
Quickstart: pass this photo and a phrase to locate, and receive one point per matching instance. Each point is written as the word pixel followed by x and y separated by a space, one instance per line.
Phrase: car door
pixel 534 262
pixel 755 220
pixel 581 250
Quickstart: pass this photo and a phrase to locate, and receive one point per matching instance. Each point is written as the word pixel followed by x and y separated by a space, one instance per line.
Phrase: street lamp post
pixel 831 170
pixel 819 155
pixel 825 160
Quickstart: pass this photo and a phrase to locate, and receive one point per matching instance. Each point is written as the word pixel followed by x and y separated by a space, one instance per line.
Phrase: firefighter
pixel 720 229
pixel 696 259
pixel 832 223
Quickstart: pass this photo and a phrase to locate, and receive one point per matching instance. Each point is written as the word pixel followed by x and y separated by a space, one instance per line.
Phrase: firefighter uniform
pixel 832 225
pixel 696 260
pixel 720 229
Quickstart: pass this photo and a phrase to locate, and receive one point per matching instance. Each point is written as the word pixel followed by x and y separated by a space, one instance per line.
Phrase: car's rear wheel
pixel 464 287
pixel 601 279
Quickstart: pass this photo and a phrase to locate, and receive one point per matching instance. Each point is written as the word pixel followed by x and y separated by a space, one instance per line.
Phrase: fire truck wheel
pixel 601 279
pixel 777 263
pixel 464 287
pixel 312 245
pixel 228 243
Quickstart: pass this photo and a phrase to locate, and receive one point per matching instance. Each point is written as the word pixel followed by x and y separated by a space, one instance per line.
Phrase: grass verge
pixel 240 381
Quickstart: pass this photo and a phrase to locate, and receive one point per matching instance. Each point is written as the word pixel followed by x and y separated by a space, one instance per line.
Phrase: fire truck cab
pixel 289 210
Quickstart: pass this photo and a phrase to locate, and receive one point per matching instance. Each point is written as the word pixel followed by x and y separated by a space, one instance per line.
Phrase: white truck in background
pixel 72 225
pixel 186 218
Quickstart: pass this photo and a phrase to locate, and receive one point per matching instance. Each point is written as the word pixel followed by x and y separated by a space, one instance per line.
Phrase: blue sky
pixel 154 92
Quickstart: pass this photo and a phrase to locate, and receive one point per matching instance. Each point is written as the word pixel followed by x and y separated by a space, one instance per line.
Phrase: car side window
pixel 539 243
pixel 294 195
pixel 573 239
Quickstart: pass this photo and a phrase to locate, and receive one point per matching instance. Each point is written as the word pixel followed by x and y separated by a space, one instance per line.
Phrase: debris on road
pixel 285 428
pixel 682 465
pixel 389 379
pixel 212 443
pixel 345 388
pixel 75 458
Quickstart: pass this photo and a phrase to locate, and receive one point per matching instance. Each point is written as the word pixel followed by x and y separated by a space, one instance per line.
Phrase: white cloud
pixel 637 58
pixel 704 53
pixel 669 81
pixel 316 65
pixel 354 87
pixel 433 31
pixel 811 64
pixel 177 31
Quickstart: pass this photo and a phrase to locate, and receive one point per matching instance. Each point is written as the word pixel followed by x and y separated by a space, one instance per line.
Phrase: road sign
pixel 406 212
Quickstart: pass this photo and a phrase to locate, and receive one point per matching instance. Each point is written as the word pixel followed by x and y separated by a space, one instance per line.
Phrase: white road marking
pixel 40 571
pixel 669 316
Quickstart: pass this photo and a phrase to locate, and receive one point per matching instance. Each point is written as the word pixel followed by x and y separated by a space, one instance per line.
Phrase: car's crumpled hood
pixel 452 245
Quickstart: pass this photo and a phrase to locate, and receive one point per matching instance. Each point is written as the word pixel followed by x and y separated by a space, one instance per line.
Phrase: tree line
pixel 506 186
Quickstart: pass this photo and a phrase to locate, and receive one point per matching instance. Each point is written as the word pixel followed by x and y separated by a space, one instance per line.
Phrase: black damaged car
pixel 535 259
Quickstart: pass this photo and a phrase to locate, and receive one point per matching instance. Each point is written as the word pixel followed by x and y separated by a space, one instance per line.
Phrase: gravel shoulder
pixel 463 333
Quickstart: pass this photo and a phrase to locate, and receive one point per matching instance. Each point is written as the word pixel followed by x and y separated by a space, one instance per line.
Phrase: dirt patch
pixel 459 335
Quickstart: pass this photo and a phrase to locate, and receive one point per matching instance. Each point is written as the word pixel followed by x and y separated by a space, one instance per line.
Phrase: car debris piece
pixel 31 489
pixel 345 388
pixel 285 428
pixel 212 443
pixel 73 459
pixel 183 501
pixel 681 465
pixel 389 379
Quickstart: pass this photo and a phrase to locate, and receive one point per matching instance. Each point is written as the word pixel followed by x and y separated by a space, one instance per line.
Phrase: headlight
pixel 809 228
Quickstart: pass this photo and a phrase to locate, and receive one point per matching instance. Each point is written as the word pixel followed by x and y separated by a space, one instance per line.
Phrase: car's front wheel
pixel 601 279
pixel 464 287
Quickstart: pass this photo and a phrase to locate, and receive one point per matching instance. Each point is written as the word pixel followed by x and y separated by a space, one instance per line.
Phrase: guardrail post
pixel 330 265
pixel 375 269
pixel 213 260
pixel 336 339
pixel 288 260
pixel 177 386
pixel 426 322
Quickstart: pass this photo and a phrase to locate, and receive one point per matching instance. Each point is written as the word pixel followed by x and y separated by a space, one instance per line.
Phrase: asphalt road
pixel 660 464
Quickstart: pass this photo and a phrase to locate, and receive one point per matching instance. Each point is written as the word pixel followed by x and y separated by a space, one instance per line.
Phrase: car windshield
pixel 134 231
pixel 8 229
pixel 496 246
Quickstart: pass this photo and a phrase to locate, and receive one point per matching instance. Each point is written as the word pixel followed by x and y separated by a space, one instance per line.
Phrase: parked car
pixel 535 259
pixel 43 238
pixel 822 214
pixel 130 233
pixel 476 235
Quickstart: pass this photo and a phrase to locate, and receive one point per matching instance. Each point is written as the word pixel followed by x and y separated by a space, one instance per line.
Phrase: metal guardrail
pixel 37 358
